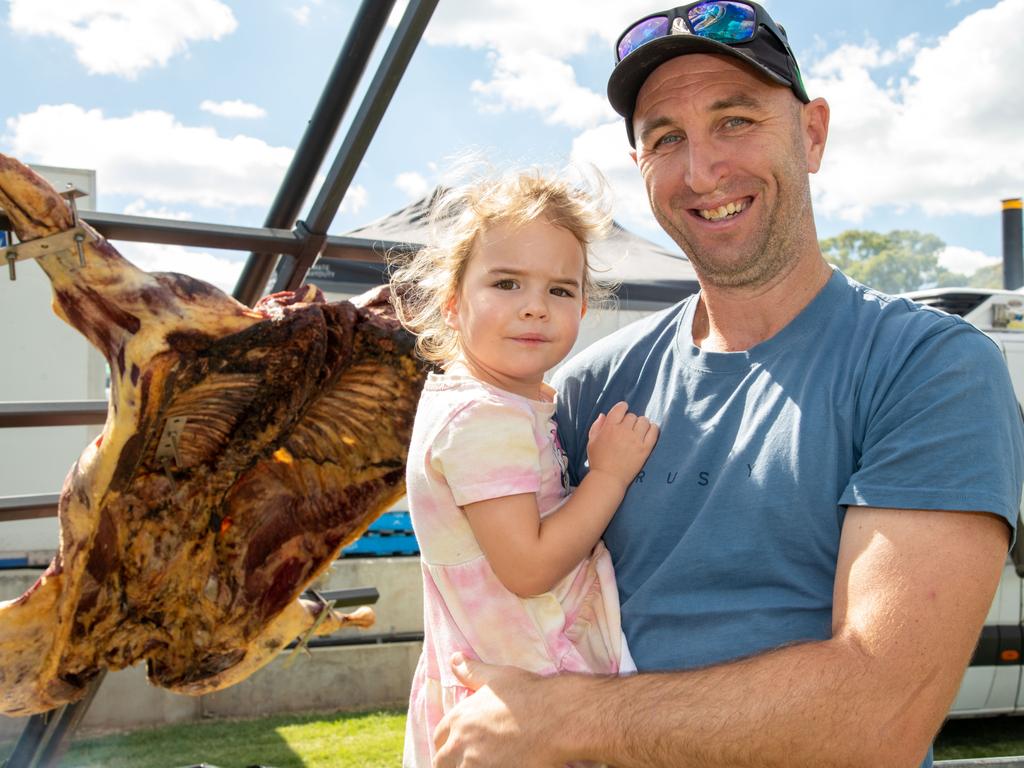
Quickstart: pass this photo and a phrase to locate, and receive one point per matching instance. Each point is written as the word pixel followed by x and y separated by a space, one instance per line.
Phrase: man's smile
pixel 724 210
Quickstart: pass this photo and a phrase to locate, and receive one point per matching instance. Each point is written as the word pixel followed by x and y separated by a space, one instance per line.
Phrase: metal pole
pixel 341 85
pixel 1013 254
pixel 71 715
pixel 291 271
pixel 53 414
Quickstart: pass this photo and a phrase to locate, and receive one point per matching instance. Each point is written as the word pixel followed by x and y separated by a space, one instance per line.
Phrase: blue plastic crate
pixel 391 535
pixel 391 522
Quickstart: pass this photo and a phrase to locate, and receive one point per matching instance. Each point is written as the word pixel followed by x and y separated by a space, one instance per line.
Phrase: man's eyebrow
pixel 738 100
pixel 652 125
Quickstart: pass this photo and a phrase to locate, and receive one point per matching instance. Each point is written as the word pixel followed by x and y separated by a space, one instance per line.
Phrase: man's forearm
pixel 911 593
pixel 814 704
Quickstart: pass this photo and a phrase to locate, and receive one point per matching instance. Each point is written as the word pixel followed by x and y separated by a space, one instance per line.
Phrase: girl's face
pixel 518 309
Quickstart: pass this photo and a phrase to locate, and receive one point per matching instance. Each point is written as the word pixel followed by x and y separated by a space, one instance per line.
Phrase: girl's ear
pixel 583 309
pixel 451 313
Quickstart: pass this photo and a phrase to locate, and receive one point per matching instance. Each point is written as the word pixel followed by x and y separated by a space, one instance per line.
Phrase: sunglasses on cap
pixel 725 21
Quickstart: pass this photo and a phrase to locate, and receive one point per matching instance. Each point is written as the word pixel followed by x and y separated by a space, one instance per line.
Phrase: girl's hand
pixel 619 443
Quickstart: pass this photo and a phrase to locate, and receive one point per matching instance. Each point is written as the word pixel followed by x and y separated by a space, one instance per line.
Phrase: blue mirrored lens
pixel 643 32
pixel 723 21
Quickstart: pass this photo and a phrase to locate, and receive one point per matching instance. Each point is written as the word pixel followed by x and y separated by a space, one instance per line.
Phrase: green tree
pixel 893 262
pixel 987 277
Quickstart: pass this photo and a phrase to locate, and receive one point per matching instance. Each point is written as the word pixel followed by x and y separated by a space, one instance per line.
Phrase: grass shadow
pixel 340 740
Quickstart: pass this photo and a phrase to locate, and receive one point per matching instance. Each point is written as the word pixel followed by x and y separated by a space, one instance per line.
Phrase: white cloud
pixel 234 108
pixel 964 260
pixel 532 42
pixel 945 138
pixel 142 208
pixel 115 37
pixel 300 14
pixel 355 199
pixel 559 29
pixel 153 257
pixel 606 148
pixel 534 80
pixel 150 154
pixel 412 184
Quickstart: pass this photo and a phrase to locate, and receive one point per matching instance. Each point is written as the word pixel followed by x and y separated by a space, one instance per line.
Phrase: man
pixel 817 537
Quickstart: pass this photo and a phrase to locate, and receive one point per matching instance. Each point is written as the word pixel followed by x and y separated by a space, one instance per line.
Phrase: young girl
pixel 513 568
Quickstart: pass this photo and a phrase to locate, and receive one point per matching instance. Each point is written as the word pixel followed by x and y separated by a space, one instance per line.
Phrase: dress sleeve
pixel 486 451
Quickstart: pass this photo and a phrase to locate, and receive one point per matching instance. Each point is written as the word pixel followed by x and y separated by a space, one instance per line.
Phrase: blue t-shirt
pixel 726 544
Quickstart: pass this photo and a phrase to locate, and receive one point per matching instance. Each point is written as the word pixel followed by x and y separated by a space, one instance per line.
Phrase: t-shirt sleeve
pixel 942 430
pixel 486 451
pixel 569 420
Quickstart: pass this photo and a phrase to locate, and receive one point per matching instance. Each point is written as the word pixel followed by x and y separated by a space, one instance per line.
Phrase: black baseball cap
pixel 702 27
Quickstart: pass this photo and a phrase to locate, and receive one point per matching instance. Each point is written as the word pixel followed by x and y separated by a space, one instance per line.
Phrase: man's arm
pixel 912 591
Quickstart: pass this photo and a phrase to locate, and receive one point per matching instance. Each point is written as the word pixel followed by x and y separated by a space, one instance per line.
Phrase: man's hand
pixel 501 725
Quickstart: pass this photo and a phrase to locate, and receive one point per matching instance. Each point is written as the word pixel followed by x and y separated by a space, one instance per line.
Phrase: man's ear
pixel 815 117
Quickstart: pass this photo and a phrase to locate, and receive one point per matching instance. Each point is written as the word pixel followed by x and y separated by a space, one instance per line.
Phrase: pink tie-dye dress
pixel 473 442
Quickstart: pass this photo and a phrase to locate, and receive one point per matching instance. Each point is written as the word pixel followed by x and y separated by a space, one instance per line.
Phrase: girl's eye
pixel 561 292
pixel 506 285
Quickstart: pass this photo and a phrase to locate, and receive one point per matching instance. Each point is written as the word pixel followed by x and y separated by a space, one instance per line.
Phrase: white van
pixel 994 682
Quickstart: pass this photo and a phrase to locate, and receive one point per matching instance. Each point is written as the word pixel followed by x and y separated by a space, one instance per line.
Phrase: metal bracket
pixel 167 447
pixel 66 241
pixel 325 611
pixel 339 598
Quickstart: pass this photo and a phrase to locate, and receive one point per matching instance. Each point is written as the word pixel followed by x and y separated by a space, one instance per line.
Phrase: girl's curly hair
pixel 424 283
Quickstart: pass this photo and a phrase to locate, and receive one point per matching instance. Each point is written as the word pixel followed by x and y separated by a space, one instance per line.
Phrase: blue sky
pixel 192 108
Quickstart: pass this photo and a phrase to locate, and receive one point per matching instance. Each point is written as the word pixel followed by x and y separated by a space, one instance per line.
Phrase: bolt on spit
pixel 71 194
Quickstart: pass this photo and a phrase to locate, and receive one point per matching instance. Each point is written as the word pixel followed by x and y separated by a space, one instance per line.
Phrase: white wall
pixel 42 358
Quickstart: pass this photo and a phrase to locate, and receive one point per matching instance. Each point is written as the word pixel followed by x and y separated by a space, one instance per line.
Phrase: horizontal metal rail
pixel 61 413
pixel 28 507
pixel 197 234
pixel 364 639
pixel 351 597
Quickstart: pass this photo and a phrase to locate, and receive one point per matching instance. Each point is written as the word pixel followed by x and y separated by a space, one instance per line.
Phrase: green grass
pixel 374 740
pixel 344 740
pixel 982 737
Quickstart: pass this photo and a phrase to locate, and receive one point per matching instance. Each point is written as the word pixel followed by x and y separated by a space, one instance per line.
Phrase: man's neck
pixel 737 319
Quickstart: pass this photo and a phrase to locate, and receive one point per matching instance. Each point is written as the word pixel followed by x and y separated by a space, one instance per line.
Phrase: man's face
pixel 725 157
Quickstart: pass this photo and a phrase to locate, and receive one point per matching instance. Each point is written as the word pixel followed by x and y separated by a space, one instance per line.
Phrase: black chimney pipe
pixel 1013 253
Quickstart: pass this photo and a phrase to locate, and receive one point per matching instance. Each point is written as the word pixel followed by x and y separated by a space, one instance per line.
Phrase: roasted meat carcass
pixel 243 448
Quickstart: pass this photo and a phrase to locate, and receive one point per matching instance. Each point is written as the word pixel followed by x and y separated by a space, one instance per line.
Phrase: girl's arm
pixel 530 555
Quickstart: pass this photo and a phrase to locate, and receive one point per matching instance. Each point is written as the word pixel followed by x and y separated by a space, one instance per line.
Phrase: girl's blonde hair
pixel 424 284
